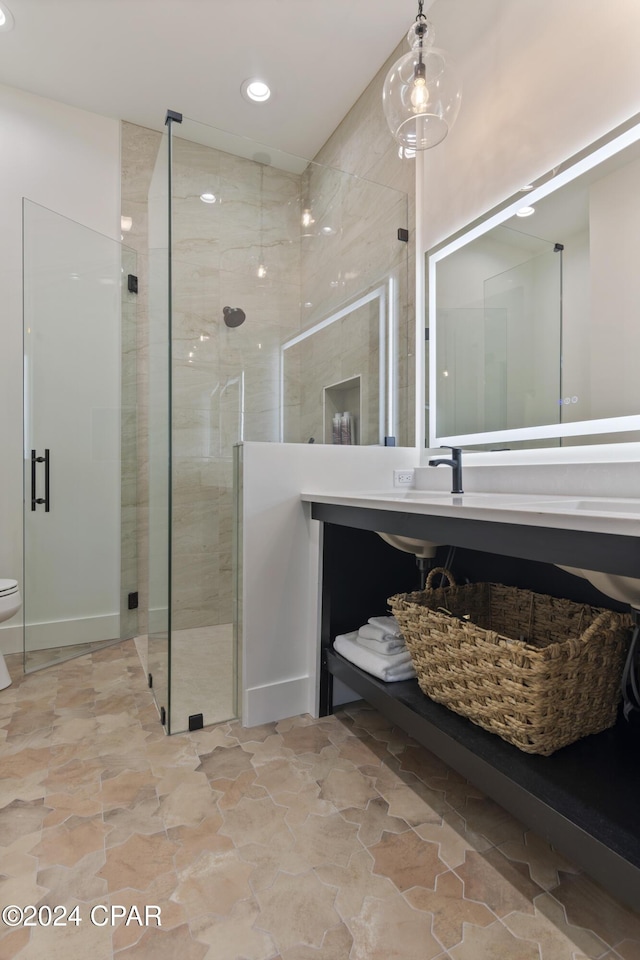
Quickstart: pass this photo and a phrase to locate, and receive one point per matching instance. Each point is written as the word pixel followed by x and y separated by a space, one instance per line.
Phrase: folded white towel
pixel 388 646
pixel 390 625
pixel 370 632
pixel 395 667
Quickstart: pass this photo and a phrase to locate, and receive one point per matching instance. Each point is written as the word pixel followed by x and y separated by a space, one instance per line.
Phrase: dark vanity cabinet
pixel 585 798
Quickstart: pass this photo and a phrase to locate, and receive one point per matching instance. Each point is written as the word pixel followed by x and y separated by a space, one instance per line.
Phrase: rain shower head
pixel 233 316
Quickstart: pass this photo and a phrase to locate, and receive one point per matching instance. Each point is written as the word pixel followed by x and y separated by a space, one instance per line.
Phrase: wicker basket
pixel 538 671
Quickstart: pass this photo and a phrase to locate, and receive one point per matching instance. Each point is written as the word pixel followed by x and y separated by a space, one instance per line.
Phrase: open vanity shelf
pixel 584 798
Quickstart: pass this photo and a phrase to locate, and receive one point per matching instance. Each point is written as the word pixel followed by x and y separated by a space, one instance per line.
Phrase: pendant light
pixel 421 94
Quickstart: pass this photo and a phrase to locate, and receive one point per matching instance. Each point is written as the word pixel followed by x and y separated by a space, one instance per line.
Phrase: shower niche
pixel 342 411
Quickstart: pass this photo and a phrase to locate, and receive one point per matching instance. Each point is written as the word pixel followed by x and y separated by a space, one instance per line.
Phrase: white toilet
pixel 10 603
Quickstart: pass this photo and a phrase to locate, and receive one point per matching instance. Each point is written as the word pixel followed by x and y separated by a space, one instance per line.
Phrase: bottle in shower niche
pixel 346 428
pixel 335 428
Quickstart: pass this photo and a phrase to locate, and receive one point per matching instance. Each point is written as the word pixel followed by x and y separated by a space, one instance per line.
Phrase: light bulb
pixel 420 94
pixel 307 218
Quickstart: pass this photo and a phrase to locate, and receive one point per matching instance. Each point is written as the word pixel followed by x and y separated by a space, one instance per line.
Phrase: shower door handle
pixel 34 499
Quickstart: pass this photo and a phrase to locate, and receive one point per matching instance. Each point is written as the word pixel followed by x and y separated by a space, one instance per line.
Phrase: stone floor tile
pixel 407 859
pixel 70 841
pixel 137 861
pixel 354 883
pixel 164 945
pixel 256 821
pixel 296 910
pixel 269 860
pixel 336 945
pixel 230 792
pixel 189 802
pixel 374 820
pixel 494 942
pixel 235 935
pixel 390 929
pixel 558 939
pixel 77 882
pixel 283 776
pixel 307 739
pixel 361 751
pixel 225 763
pixel 490 820
pixel 543 861
pixel 20 817
pixel 424 764
pixel 449 908
pixel 453 838
pixel 348 788
pixel 127 788
pixel 126 934
pixel 12 942
pixel 629 949
pixel 588 905
pixel 84 802
pixel 70 942
pixel 125 822
pixel 213 883
pixel 326 840
pixel 416 804
pixel 502 884
pixel 307 802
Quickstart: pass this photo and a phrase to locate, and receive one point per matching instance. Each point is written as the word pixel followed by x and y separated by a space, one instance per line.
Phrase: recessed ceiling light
pixel 327 231
pixel 6 18
pixel 525 211
pixel 257 91
pixel 208 197
pixel 526 188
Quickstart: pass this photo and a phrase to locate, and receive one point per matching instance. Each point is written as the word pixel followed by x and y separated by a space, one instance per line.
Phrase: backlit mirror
pixel 534 311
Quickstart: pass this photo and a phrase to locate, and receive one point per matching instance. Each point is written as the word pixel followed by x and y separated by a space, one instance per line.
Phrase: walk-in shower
pixel 277 297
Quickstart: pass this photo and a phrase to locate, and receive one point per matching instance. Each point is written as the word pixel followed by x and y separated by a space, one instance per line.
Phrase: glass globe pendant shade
pixel 421 94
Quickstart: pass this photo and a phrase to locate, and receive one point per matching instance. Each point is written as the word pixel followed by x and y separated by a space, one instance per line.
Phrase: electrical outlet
pixel 403 478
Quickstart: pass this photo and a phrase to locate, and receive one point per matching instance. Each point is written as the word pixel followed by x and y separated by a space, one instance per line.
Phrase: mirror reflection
pixel 533 311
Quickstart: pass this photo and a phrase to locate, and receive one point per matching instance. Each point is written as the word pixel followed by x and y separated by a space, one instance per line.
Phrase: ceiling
pixel 134 59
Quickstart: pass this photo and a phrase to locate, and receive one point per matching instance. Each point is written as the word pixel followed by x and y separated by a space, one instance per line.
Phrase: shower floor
pixel 202 675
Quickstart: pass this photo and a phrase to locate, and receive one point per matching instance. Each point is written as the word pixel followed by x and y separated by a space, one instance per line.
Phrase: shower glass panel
pixel 159 432
pixel 79 439
pixel 288 297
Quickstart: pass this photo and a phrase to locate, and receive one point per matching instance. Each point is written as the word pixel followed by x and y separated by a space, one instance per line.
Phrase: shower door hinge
pixel 150 680
pixel 132 601
pixel 132 283
pixel 403 234
pixel 163 716
pixel 196 721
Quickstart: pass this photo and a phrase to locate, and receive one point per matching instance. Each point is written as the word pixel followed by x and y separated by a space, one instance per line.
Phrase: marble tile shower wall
pixel 362 145
pixel 226 384
pixel 353 249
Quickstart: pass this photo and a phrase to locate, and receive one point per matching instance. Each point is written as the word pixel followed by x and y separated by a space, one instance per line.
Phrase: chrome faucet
pixel 456 465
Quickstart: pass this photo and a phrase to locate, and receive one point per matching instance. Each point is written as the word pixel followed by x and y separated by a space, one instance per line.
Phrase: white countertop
pixel 594 514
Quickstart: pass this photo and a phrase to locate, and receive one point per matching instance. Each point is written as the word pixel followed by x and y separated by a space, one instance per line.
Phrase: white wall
pixel 281 572
pixel 68 160
pixel 540 81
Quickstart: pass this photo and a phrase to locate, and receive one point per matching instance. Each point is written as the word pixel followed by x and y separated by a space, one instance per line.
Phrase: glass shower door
pixel 76 428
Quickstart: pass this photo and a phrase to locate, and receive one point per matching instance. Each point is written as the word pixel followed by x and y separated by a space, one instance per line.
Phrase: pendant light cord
pixel 421 15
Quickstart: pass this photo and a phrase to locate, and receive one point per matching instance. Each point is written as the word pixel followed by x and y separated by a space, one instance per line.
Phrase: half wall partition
pixel 278 301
